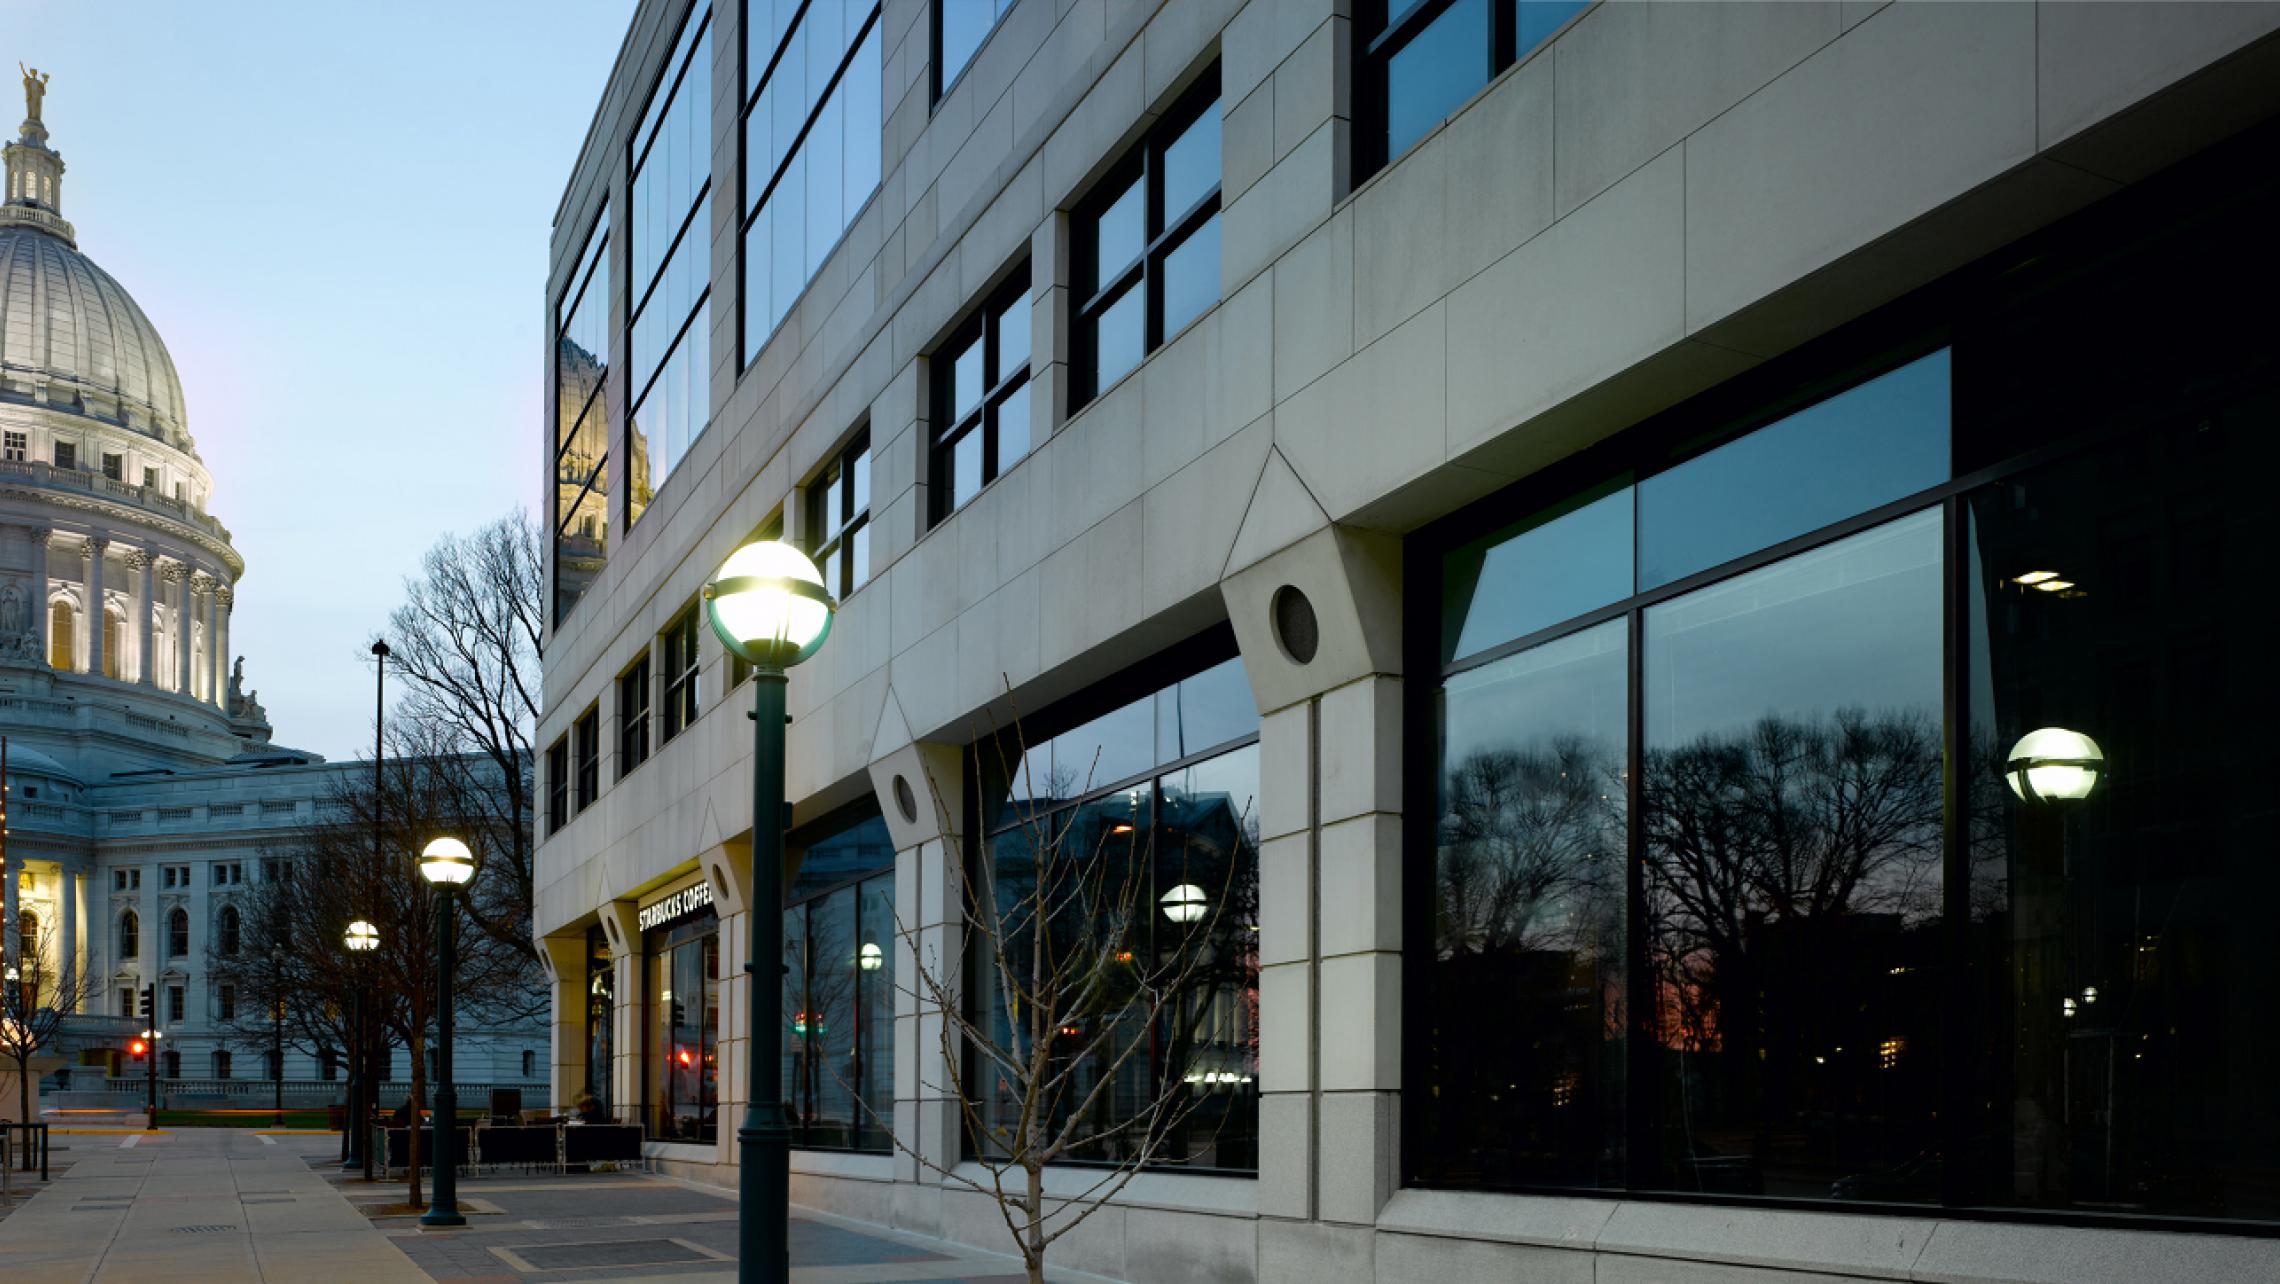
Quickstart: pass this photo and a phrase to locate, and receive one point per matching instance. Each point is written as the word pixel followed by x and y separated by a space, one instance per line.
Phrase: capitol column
pixel 224 598
pixel 179 576
pixel 68 963
pixel 39 611
pixel 146 614
pixel 92 554
pixel 213 665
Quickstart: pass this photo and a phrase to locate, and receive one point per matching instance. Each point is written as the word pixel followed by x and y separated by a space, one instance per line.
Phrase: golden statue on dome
pixel 35 88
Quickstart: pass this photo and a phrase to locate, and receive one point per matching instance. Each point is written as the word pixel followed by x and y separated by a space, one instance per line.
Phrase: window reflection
pixel 671 197
pixel 1524 1019
pixel 1791 807
pixel 2127 1026
pixel 1871 444
pixel 962 27
pixel 839 950
pixel 812 139
pixel 1171 891
pixel 582 432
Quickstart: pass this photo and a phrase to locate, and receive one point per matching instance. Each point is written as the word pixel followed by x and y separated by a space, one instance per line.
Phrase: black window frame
pixel 1000 385
pixel 587 734
pixel 833 521
pixel 558 784
pixel 634 706
pixel 1163 232
pixel 677 647
pixel 1964 312
pixel 1376 43
pixel 939 88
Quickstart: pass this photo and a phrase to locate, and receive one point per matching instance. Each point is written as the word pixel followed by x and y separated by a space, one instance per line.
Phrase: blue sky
pixel 337 215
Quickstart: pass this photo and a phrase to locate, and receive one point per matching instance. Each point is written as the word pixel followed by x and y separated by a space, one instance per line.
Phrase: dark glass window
pixel 684 1064
pixel 66 455
pixel 981 398
pixel 582 422
pixel 1874 443
pixel 1176 895
pixel 839 953
pixel 670 194
pixel 587 734
pixel 1147 244
pixel 1420 61
pixel 839 519
pixel 1932 898
pixel 228 932
pixel 177 933
pixel 1791 812
pixel 601 1009
pixel 174 1017
pixel 1523 1030
pixel 812 144
pixel 225 1002
pixel 960 27
pixel 633 716
pixel 2126 966
pixel 130 935
pixel 679 647
pixel 557 785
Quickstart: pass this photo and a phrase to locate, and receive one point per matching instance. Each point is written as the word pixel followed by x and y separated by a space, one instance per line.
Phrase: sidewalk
pixel 226 1205
pixel 214 1204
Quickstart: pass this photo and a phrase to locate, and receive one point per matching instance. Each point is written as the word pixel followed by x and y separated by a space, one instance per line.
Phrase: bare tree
pixel 465 641
pixel 331 876
pixel 1115 963
pixel 44 987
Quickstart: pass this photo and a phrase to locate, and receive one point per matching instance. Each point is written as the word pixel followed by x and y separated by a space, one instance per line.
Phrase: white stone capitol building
pixel 144 791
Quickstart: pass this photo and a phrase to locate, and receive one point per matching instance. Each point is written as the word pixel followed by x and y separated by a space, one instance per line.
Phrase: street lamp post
pixel 447 865
pixel 366 1084
pixel 769 606
pixel 361 939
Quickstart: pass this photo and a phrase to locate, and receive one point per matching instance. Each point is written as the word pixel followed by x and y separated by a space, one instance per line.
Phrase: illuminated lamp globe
pixel 768 605
pixel 1185 903
pixel 447 863
pixel 2054 765
pixel 362 937
pixel 870 958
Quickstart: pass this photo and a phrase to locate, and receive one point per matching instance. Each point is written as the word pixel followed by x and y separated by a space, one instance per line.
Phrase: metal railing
pixel 30 1140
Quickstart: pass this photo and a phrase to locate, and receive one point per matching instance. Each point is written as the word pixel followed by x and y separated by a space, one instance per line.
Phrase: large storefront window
pixel 1840 812
pixel 601 1010
pixel 1146 814
pixel 839 996
pixel 681 971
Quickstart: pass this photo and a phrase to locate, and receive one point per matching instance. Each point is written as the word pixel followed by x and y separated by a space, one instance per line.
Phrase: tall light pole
pixel 447 865
pixel 769 606
pixel 362 1083
pixel 361 939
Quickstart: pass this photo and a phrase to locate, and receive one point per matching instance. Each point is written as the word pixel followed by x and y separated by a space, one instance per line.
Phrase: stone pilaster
pixel 178 575
pixel 91 553
pixel 141 562
pixel 68 963
pixel 39 604
pixel 194 591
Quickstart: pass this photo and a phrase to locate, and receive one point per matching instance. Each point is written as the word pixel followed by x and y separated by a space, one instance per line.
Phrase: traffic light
pixel 137 1049
pixel 149 1003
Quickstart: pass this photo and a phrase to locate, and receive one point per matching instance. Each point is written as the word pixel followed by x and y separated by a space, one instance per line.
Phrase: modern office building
pixel 1702 563
pixel 145 796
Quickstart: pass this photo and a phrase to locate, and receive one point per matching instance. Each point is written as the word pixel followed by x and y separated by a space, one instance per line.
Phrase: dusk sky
pixel 337 215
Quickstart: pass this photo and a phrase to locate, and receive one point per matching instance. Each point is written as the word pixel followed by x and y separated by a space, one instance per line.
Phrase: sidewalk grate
pixel 287 1200
pixel 624 1252
pixel 200 1230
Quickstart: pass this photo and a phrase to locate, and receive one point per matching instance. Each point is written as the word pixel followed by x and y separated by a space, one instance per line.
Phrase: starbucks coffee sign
pixel 674 908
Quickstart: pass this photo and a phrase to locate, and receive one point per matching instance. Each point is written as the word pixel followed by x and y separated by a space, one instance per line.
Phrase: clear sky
pixel 337 215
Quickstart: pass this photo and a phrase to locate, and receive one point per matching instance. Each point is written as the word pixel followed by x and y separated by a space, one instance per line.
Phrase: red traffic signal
pixel 138 1048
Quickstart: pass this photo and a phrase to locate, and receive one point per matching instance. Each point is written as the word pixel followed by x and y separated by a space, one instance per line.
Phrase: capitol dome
pixel 72 336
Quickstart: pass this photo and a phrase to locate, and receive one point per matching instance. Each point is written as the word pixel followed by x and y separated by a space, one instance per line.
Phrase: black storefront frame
pixel 658 945
pixel 1944 314
pixel 862 1115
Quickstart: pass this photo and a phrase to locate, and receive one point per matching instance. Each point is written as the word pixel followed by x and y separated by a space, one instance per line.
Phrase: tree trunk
pixel 1033 1202
pixel 23 1095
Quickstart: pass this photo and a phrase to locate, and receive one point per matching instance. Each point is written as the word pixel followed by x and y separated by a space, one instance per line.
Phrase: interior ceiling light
pixel 2054 586
pixel 2034 577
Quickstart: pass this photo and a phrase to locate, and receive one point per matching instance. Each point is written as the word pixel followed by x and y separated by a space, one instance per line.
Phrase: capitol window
pixel 177 934
pixel 14 446
pixel 66 455
pixel 60 628
pixel 114 467
pixel 130 935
